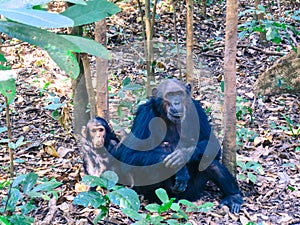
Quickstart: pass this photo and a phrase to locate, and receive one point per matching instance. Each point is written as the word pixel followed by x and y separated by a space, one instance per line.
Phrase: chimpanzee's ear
pixel 83 131
pixel 154 92
pixel 188 89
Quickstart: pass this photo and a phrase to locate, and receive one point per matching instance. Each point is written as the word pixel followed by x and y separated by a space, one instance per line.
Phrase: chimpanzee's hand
pixel 179 157
pixel 233 201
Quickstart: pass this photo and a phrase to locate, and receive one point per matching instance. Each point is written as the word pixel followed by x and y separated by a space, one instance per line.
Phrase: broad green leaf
pixel 88 46
pixel 110 179
pixel 29 182
pixel 152 207
pixel 133 214
pixel 166 206
pixel 21 3
pixel 162 195
pixel 37 18
pixel 54 106
pixel 21 220
pixel 18 180
pixel 205 207
pixel 78 2
pixel 2 58
pixel 47 186
pixel 125 198
pixel 59 49
pixel 92 198
pixel 15 196
pixel 3 129
pixel 27 208
pixel 8 84
pixel 94 10
pixel 252 177
pixel 93 181
pixel 4 221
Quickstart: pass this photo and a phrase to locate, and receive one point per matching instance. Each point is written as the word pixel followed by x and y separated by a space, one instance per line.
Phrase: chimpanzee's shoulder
pixel 147 107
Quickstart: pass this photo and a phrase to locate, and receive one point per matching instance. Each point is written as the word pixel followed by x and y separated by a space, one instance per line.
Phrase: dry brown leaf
pixel 51 151
pixel 80 187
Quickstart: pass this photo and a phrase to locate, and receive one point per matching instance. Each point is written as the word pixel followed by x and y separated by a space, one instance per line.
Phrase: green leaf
pixel 54 106
pixel 126 81
pixel 3 129
pixel 21 3
pixel 152 207
pixel 47 186
pixel 162 195
pixel 205 207
pixel 93 181
pixel 110 179
pixel 37 18
pixel 4 221
pixel 92 198
pixel 59 49
pixel 15 196
pixel 78 2
pixel 2 58
pixel 20 142
pixel 27 208
pixel 166 206
pixel 94 10
pixel 251 177
pixel 88 46
pixel 29 182
pixel 21 220
pixel 125 198
pixel 175 206
pixel 133 214
pixel 102 213
pixel 8 84
pixel 18 180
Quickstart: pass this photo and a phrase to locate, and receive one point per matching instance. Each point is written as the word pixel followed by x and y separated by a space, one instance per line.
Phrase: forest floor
pixel 268 126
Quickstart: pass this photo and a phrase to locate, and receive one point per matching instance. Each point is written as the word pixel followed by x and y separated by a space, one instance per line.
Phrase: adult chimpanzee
pixel 170 134
pixel 97 142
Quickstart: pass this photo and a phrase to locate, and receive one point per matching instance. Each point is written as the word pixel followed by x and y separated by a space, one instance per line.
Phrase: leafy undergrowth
pixel 268 127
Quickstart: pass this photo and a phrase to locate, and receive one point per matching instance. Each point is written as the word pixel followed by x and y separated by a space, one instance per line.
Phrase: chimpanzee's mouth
pixel 175 116
pixel 98 144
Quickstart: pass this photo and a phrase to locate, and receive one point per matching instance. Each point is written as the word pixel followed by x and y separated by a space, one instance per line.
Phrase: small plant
pixel 244 134
pixel 168 212
pixel 20 200
pixel 125 198
pixel 293 128
pixel 275 30
pixel 243 110
pixel 137 90
pixel 54 106
pixel 250 167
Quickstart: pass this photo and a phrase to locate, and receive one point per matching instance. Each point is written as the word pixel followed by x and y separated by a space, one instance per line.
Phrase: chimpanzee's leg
pixel 220 175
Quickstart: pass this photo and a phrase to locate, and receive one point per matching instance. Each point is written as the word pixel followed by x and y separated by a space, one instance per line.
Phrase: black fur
pixel 196 179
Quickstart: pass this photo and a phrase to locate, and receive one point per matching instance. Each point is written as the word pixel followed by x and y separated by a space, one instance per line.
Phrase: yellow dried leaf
pixel 51 151
pixel 26 129
pixel 79 187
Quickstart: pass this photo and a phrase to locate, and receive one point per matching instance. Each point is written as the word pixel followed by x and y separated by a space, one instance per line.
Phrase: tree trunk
pixel 149 43
pixel 189 41
pixel 229 144
pixel 102 107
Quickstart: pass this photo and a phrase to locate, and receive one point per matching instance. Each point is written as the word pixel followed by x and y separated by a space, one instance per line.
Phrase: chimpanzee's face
pixel 174 101
pixel 95 133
